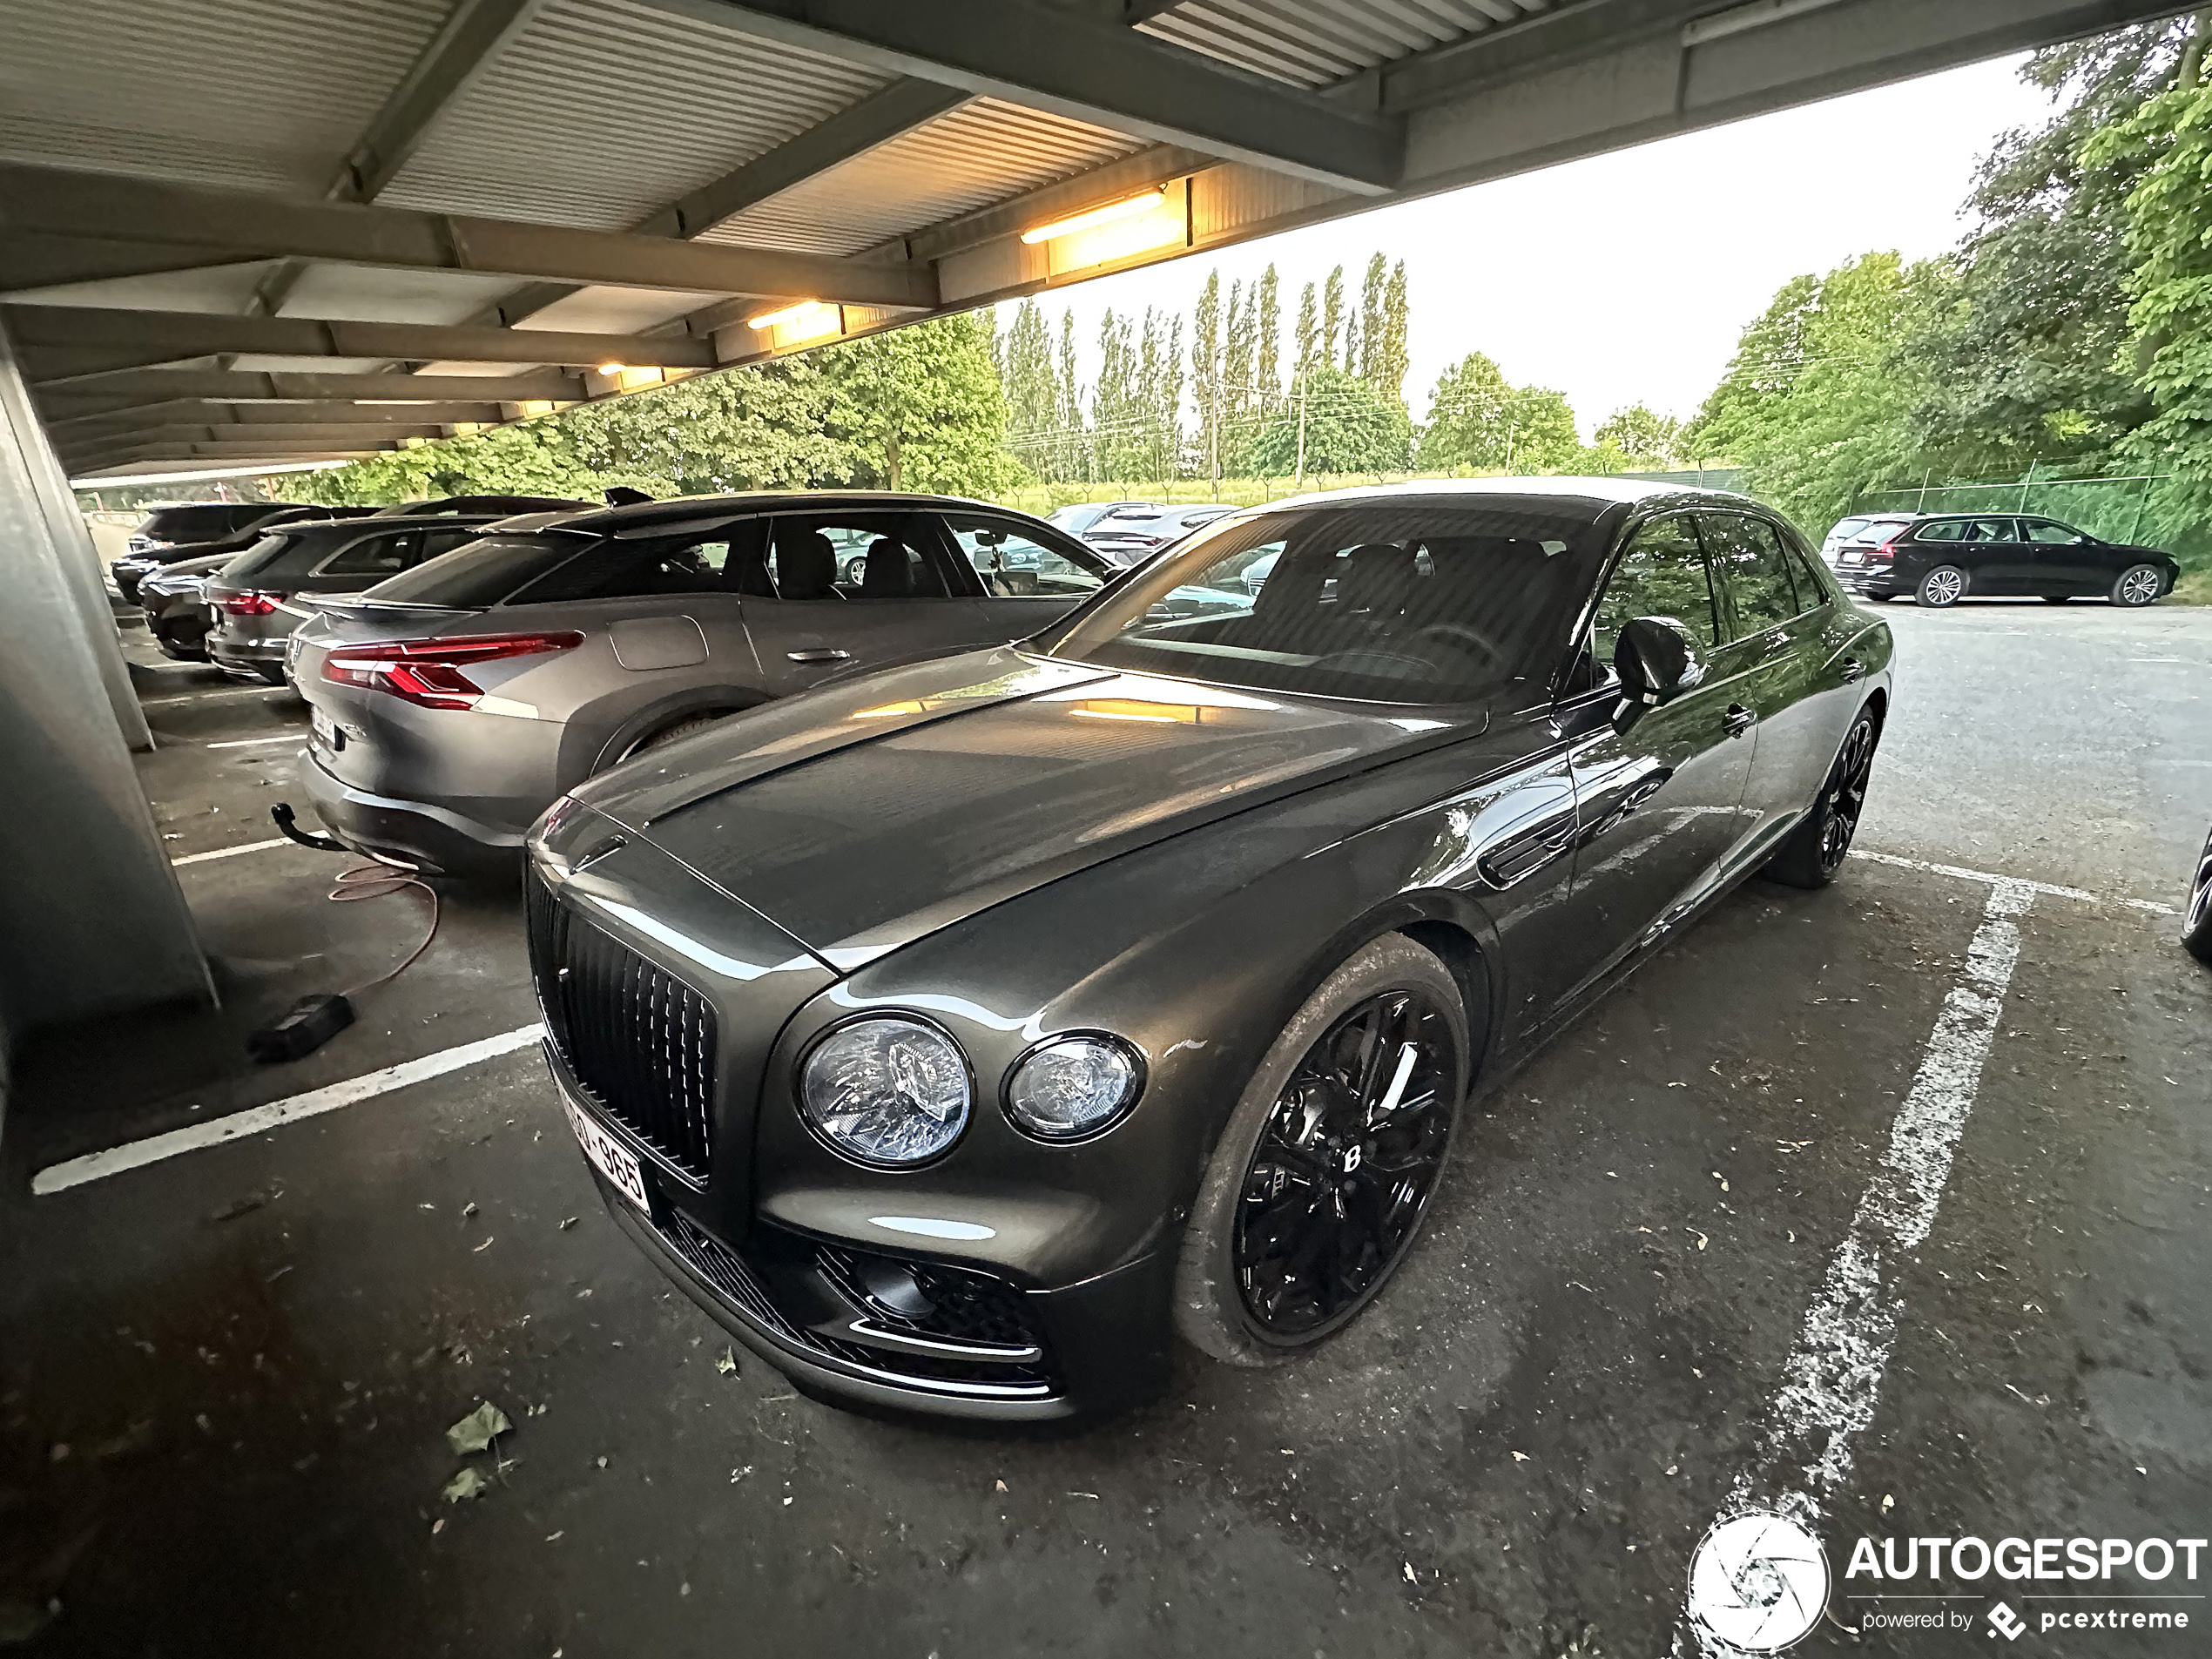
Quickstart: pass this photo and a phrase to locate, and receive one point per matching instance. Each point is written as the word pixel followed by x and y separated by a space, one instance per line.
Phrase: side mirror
pixel 1656 659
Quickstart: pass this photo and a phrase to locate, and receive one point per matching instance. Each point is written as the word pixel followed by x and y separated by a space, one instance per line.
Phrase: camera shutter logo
pixel 1759 1583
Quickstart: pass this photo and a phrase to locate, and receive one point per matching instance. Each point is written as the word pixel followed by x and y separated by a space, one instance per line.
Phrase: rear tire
pixel 2139 585
pixel 1816 849
pixel 1945 585
pixel 1317 1272
pixel 2196 919
pixel 673 730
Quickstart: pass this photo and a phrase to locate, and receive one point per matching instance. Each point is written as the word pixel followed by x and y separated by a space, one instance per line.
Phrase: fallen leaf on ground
pixel 726 1362
pixel 475 1431
pixel 469 1483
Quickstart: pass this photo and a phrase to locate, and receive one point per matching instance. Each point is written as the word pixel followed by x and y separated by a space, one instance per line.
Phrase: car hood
pixel 865 815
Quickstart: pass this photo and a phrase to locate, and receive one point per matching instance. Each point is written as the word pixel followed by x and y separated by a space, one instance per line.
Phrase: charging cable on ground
pixel 316 1018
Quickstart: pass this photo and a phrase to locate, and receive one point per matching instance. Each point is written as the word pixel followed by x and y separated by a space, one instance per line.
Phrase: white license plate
pixel 1853 555
pixel 614 1160
pixel 325 728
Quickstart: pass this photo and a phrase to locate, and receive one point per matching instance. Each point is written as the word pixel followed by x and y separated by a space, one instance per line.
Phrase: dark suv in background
pixel 168 533
pixel 256 600
pixel 1940 558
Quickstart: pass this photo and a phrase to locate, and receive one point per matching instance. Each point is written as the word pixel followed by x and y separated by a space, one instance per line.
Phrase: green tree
pixel 2167 143
pixel 1373 297
pixel 1116 417
pixel 1389 372
pixel 1032 391
pixel 1468 416
pixel 1331 315
pixel 1539 432
pixel 1266 363
pixel 1306 334
pixel 1644 440
pixel 1350 427
pixel 921 406
pixel 762 427
pixel 1074 450
pixel 1205 371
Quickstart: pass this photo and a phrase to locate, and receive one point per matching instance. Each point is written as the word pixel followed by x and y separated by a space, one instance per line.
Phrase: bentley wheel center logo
pixel 1757 1583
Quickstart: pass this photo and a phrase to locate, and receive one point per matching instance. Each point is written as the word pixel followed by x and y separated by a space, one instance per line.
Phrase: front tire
pixel 1945 585
pixel 2139 585
pixel 2197 920
pixel 1816 849
pixel 1318 1183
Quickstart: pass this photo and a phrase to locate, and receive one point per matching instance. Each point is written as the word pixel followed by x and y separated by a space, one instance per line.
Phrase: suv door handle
pixel 1854 670
pixel 821 654
pixel 1738 720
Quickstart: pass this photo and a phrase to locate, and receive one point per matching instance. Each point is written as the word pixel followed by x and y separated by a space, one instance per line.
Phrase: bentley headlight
pixel 1072 1086
pixel 887 1090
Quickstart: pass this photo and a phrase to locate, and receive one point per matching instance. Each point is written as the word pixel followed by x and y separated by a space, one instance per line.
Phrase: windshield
pixel 480 572
pixel 1414 602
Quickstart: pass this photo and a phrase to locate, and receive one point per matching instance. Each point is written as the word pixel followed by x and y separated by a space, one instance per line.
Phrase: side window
pixel 1803 575
pixel 2043 530
pixel 437 542
pixel 1946 530
pixel 1663 574
pixel 1750 565
pixel 375 555
pixel 1013 564
pixel 699 561
pixel 1989 529
pixel 852 556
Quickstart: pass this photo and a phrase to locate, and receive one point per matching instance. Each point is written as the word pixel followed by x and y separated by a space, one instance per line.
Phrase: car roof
pixel 1596 494
pixel 378 524
pixel 684 509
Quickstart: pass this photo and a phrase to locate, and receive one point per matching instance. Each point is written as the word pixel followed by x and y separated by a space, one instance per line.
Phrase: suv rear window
pixel 207 522
pixel 484 571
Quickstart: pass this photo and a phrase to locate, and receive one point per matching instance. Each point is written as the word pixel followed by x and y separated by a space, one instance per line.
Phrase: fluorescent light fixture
pixel 613 368
pixel 799 312
pixel 1129 208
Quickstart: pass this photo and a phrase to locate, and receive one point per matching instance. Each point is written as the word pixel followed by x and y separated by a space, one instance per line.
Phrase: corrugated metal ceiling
pixel 1312 42
pixel 604 112
pixel 258 94
pixel 979 154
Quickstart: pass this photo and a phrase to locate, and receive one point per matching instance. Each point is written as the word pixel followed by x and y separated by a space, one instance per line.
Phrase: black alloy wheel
pixel 2196 920
pixel 2138 584
pixel 1344 1165
pixel 1817 848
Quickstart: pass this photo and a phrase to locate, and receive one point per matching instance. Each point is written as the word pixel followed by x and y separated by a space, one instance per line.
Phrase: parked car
pixel 1864 527
pixel 176 608
pixel 454 704
pixel 1129 535
pixel 483 506
pixel 175 533
pixel 257 599
pixel 1078 516
pixel 958 1033
pixel 1940 558
pixel 2196 916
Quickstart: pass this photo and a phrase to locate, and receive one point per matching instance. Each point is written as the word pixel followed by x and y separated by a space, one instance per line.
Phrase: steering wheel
pixel 1377 665
pixel 1466 640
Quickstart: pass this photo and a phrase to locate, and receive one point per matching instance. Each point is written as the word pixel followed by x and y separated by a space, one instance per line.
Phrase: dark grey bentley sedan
pixel 960 1034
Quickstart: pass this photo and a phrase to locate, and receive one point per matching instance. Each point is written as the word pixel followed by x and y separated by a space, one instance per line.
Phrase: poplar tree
pixel 1205 368
pixel 1372 286
pixel 1332 314
pixel 1072 447
pixel 1307 333
pixel 1265 361
pixel 1390 360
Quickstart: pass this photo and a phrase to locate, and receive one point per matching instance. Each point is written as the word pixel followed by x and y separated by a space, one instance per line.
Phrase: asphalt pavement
pixel 1753 1230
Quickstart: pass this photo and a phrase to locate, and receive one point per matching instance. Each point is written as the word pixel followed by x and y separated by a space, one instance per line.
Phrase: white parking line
pixel 248 743
pixel 134 1155
pixel 1832 1379
pixel 1989 878
pixel 229 852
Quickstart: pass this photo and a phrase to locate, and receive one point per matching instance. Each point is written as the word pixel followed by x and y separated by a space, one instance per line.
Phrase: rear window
pixel 206 523
pixel 483 572
pixel 257 559
pixel 1880 529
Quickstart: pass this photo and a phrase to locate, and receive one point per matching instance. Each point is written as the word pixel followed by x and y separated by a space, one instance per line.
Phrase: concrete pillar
pixel 93 921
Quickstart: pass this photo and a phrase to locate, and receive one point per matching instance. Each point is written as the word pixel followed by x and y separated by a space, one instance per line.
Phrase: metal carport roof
pixel 231 229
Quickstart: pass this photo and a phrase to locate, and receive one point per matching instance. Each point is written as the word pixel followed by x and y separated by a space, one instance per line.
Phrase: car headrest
pixel 883 574
pixel 805 566
pixel 1378 579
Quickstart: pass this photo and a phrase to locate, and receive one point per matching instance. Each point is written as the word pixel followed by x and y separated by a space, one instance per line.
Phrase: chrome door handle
pixel 1854 670
pixel 823 654
pixel 1738 720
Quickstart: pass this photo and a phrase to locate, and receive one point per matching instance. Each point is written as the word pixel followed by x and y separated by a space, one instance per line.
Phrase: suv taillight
pixel 429 671
pixel 251 604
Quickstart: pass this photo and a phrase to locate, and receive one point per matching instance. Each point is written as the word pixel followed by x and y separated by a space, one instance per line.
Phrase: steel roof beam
pixel 275 415
pixel 273 437
pixel 56 201
pixel 167 336
pixel 128 388
pixel 1088 69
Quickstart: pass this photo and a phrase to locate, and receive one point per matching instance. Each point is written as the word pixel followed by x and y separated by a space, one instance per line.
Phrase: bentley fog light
pixel 1072 1086
pixel 887 1090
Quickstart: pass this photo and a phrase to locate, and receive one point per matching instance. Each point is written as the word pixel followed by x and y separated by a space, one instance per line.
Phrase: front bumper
pixel 413 832
pixel 1106 1339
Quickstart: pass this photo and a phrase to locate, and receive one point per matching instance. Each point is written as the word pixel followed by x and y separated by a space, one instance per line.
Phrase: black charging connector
pixel 302 1029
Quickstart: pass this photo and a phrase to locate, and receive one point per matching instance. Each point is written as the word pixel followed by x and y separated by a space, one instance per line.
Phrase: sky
pixel 1627 278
